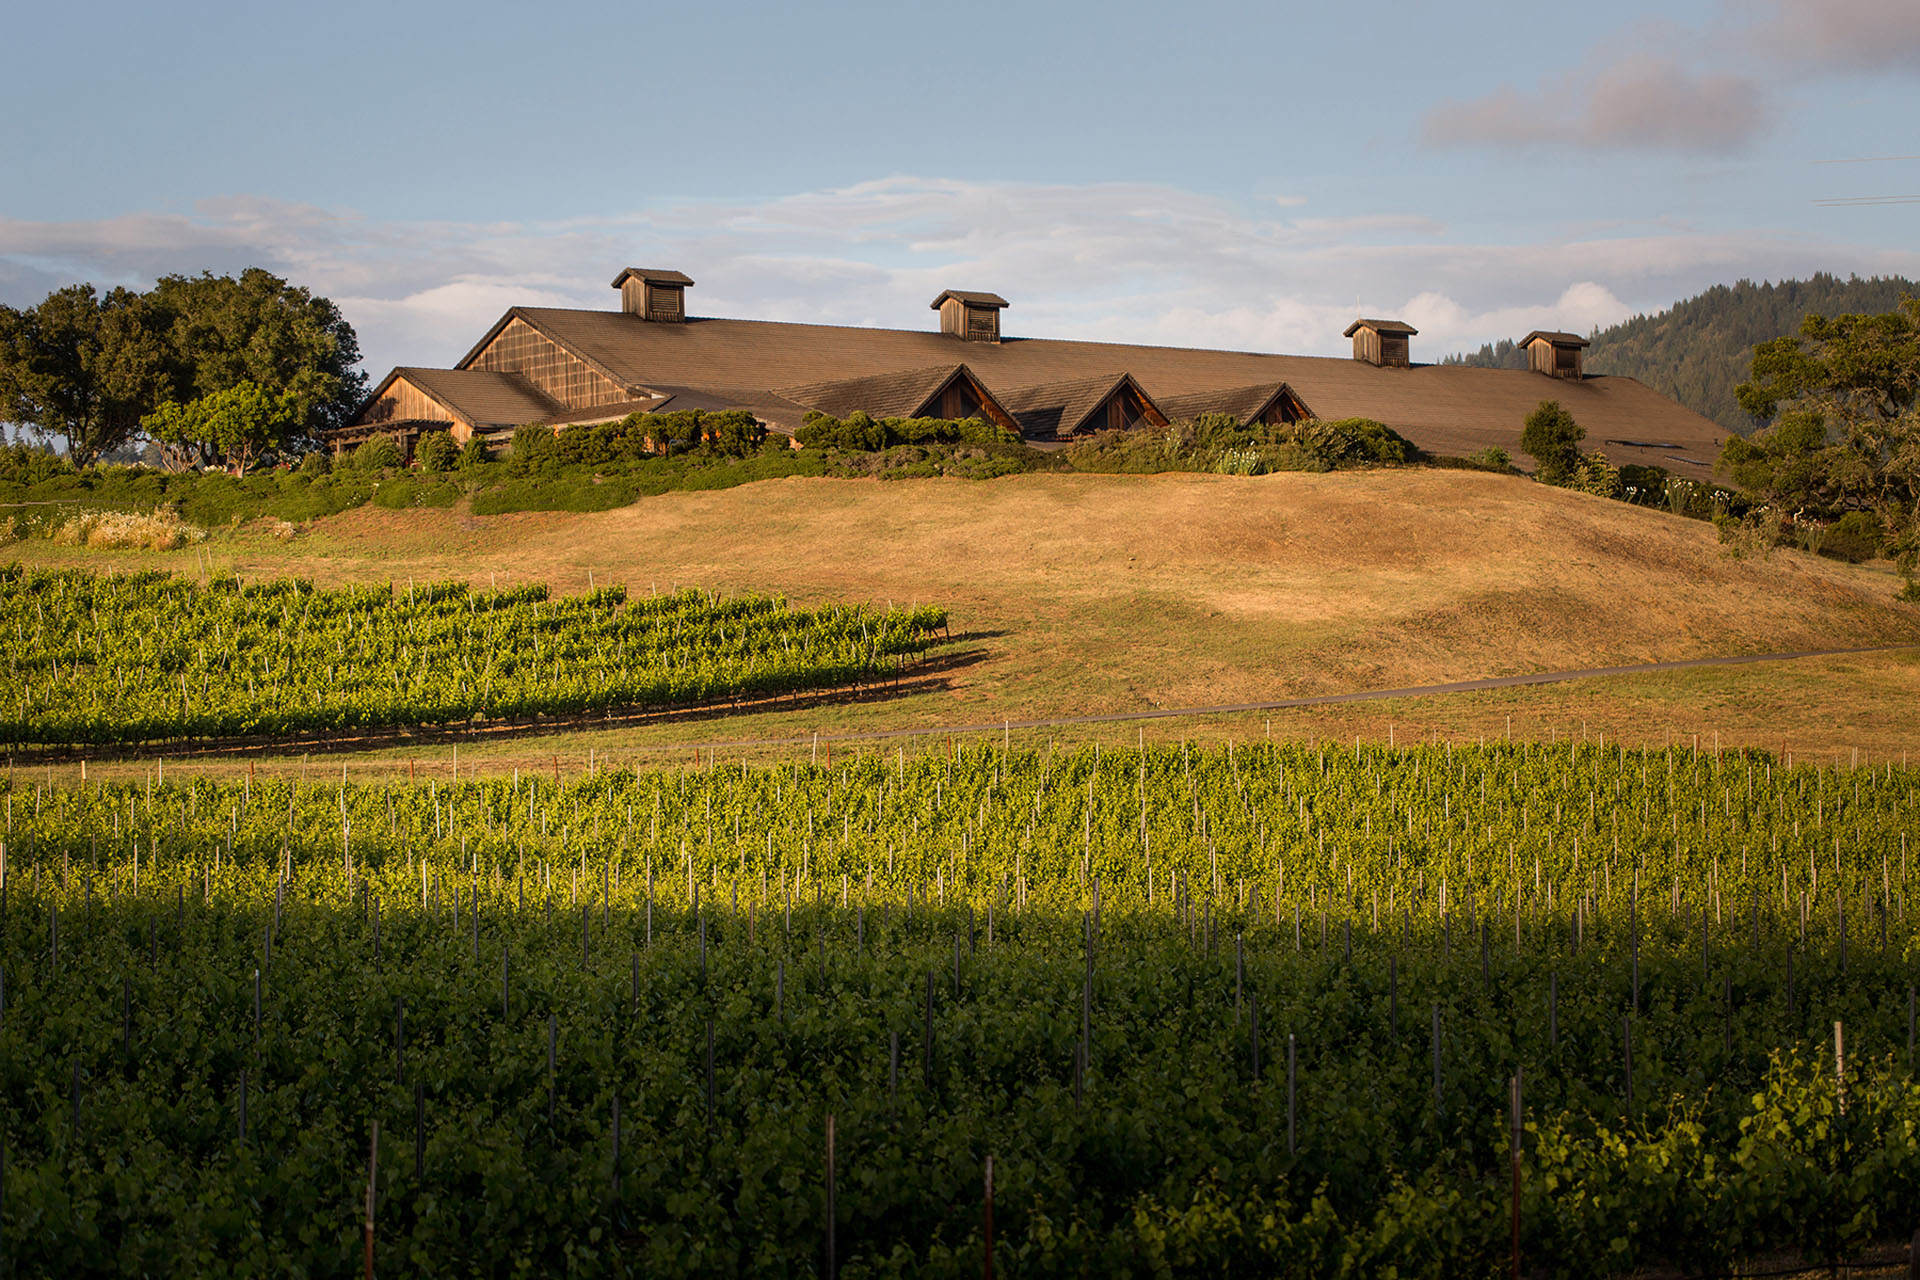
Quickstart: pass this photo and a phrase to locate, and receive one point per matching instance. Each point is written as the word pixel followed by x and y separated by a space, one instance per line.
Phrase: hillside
pixel 1077 594
pixel 1698 350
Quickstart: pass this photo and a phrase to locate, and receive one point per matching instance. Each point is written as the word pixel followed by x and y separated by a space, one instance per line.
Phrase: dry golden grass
pixel 1087 594
pixel 161 530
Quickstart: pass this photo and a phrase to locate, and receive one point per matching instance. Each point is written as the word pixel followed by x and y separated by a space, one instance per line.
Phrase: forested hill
pixel 1698 351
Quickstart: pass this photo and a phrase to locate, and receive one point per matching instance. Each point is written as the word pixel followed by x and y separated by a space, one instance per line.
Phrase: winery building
pixel 564 367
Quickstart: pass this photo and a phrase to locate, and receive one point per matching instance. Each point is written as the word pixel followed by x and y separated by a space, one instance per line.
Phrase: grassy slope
pixel 1097 593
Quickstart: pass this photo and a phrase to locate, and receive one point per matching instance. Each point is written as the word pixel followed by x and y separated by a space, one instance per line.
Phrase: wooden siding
pixel 1282 410
pixel 961 319
pixel 1386 350
pixel 404 402
pixel 1554 360
pixel 520 348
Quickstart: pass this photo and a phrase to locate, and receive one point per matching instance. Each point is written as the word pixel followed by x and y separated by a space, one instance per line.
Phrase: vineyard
pixel 147 658
pixel 1254 1009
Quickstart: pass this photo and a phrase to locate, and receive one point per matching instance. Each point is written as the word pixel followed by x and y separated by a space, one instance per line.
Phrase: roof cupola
pixel 1381 342
pixel 974 317
pixel 653 294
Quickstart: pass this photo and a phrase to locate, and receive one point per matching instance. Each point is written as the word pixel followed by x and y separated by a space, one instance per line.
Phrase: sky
pixel 1249 176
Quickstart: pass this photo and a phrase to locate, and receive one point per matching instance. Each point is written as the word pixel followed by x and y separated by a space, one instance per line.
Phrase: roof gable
pixel 1062 409
pixel 911 393
pixel 477 398
pixel 1243 403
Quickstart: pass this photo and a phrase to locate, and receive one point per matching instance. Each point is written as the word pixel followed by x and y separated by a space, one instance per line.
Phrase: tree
pixel 1845 433
pixel 84 367
pixel 1553 439
pixel 238 424
pixel 89 368
pixel 258 328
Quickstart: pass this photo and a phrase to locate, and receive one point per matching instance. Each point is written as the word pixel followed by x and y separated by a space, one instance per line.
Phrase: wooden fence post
pixel 1515 1084
pixel 832 1264
pixel 988 1272
pixel 373 1167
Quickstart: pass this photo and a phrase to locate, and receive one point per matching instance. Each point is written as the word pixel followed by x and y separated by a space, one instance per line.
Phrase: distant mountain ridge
pixel 1700 349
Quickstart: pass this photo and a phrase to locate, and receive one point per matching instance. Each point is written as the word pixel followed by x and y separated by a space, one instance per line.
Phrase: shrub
pixel 317 463
pixel 435 452
pixel 1216 442
pixel 861 433
pixel 1593 474
pixel 380 453
pixel 1854 537
pixel 1355 441
pixel 1491 458
pixel 28 465
pixel 1552 438
pixel 533 448
pixel 475 452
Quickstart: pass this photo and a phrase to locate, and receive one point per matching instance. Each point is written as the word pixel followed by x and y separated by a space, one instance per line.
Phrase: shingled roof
pixel 652 275
pixel 1442 409
pixel 1243 403
pixel 975 297
pixel 880 395
pixel 1058 410
pixel 478 398
pixel 1379 326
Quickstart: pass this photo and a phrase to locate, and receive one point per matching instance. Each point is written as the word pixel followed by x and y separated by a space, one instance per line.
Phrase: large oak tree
pixel 1844 431
pixel 88 367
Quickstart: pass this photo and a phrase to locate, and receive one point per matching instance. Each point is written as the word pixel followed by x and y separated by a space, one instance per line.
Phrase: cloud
pixel 1637 102
pixel 1125 262
pixel 1869 35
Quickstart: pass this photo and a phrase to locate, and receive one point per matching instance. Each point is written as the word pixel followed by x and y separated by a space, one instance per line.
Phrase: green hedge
pixel 858 431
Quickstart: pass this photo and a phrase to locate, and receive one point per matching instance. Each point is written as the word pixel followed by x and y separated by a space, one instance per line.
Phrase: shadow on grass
pixel 935 674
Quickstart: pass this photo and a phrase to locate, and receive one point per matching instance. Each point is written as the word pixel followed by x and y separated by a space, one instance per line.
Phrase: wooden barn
pixel 653 354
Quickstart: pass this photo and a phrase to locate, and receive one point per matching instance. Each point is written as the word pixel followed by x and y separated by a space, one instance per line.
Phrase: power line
pixel 1866 160
pixel 1852 202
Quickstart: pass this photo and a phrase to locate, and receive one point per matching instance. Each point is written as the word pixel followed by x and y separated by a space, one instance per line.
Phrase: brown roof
pixel 652 275
pixel 1443 409
pixel 1060 409
pixel 479 398
pixel 1379 326
pixel 967 295
pixel 605 412
pixel 1245 403
pixel 882 395
pixel 1557 338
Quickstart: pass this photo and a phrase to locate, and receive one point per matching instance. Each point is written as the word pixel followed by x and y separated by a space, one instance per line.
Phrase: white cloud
pixel 1122 262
